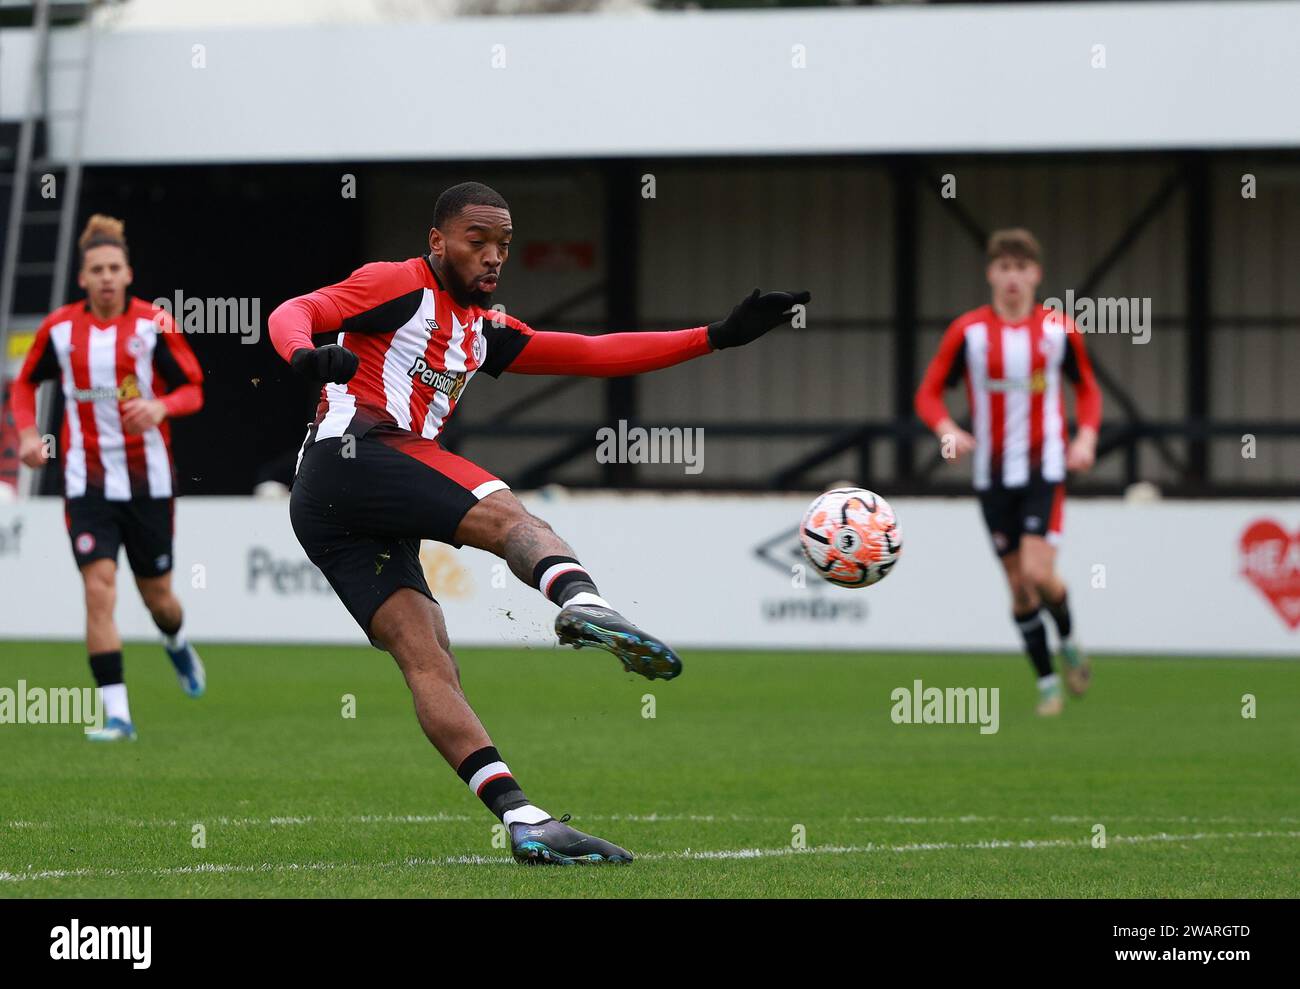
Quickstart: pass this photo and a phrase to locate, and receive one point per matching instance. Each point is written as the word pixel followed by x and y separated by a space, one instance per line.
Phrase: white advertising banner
pixel 1194 578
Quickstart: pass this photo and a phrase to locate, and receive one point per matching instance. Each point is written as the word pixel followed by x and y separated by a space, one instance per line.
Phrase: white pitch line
pixel 939 846
pixel 686 854
pixel 291 821
pixel 1071 819
pixel 654 818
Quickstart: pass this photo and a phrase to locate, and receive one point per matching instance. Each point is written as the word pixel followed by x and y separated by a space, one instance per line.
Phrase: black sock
pixel 106 667
pixel 561 577
pixel 1060 612
pixel 490 779
pixel 1035 635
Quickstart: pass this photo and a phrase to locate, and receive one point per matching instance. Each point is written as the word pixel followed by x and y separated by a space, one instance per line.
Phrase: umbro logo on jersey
pixel 450 383
pixel 432 324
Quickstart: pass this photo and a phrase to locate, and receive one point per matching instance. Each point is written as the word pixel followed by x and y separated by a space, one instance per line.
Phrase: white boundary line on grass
pixel 441 818
pixel 684 855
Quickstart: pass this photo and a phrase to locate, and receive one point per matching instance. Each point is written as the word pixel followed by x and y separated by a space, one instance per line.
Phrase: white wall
pixel 17 50
pixel 687 567
pixel 951 77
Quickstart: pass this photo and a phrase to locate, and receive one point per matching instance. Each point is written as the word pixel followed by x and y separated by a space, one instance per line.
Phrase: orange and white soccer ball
pixel 851 537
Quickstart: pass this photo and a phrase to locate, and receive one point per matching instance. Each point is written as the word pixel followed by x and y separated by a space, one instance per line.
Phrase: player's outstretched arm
pixel 617 354
pixel 755 315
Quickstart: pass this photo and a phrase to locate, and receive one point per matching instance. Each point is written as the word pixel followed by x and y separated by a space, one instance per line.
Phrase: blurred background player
pixel 1013 355
pixel 124 371
pixel 373 480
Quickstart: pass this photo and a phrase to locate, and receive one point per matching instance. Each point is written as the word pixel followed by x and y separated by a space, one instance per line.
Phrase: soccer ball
pixel 851 537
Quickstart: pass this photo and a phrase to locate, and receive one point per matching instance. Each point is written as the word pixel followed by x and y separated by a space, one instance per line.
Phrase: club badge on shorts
pixel 85 543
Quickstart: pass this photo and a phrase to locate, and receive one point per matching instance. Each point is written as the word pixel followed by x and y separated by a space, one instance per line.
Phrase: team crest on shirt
pixel 479 347
pixel 135 346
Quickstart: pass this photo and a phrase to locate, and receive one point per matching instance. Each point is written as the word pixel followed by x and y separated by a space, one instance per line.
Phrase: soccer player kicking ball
pixel 1013 356
pixel 124 371
pixel 372 479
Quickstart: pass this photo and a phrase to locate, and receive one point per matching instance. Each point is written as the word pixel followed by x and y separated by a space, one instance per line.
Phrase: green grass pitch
pixel 296 800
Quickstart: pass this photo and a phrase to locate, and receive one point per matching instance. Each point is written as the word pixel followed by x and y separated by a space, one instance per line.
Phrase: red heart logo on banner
pixel 1270 559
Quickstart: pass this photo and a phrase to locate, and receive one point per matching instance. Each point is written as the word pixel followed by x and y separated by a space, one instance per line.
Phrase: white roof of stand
pixel 790 82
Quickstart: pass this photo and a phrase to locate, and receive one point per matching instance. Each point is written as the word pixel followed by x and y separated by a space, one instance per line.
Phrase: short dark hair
pixel 1014 242
pixel 455 199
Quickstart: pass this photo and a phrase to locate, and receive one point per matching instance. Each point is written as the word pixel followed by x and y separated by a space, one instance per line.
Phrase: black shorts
pixel 99 528
pixel 1037 509
pixel 360 508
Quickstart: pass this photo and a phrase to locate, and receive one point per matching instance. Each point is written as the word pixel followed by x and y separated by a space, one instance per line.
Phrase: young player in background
pixel 1015 356
pixel 373 480
pixel 124 371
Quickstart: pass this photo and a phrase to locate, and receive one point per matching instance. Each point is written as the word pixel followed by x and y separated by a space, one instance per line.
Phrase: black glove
pixel 328 363
pixel 753 317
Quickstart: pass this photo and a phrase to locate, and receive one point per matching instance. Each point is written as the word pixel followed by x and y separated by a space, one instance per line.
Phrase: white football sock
pixel 176 641
pixel 527 814
pixel 1049 681
pixel 586 597
pixel 113 697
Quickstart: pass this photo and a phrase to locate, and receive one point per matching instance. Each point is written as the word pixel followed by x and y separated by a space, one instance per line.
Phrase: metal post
pixel 1198 314
pixel 72 178
pixel 18 194
pixel 906 259
pixel 622 259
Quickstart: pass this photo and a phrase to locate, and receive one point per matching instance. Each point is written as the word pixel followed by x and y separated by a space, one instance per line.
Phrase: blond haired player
pixel 124 372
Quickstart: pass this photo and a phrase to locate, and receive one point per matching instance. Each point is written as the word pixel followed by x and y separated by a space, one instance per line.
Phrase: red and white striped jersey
pixel 139 354
pixel 1014 375
pixel 417 347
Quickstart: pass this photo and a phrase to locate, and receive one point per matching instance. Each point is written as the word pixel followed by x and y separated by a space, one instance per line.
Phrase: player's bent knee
pixel 489 524
pixel 417 650
pixel 524 526
pixel 1022 596
pixel 426 663
pixel 101 592
pixel 159 599
pixel 1034 576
